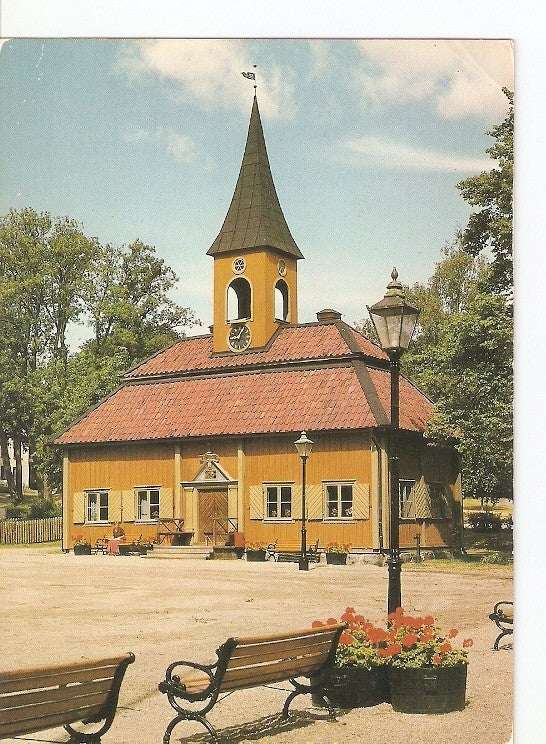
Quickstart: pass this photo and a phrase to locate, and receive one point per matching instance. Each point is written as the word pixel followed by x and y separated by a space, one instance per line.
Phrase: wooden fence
pixel 18 531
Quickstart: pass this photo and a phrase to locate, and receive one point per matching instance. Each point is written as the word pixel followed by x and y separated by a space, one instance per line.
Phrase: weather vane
pixel 251 76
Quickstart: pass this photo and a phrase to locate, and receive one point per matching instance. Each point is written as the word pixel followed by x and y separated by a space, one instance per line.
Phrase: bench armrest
pixel 172 685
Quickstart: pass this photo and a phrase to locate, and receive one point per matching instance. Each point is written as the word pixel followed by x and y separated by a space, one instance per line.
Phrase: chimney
pixel 328 316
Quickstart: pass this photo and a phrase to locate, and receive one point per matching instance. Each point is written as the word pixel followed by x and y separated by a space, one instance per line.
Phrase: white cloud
pixel 181 146
pixel 209 72
pixel 460 77
pixel 376 151
pixel 3 41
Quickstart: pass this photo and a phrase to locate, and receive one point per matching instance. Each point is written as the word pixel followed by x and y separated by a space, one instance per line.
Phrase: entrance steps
pixel 180 551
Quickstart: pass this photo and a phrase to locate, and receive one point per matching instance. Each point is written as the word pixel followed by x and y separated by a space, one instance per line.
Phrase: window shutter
pixel 256 502
pixel 78 510
pixel 421 498
pixel 114 506
pixel 128 505
pixel 296 501
pixel 166 503
pixel 313 502
pixel 361 501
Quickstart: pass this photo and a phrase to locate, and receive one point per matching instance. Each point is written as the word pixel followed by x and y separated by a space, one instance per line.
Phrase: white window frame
pixel 339 517
pixel 279 502
pixel 405 499
pixel 97 493
pixel 148 491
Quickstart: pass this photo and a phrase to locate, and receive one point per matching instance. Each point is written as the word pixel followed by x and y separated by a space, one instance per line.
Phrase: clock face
pixel 239 337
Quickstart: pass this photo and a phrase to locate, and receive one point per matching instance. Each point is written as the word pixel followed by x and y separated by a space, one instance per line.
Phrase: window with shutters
pixel 147 504
pixel 339 501
pixel 278 501
pixel 407 507
pixel 97 506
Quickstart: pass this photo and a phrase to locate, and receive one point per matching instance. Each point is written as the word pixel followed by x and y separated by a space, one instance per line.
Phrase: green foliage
pixel 491 226
pixel 51 276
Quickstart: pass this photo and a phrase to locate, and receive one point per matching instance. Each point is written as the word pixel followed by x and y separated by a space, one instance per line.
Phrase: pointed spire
pixel 255 218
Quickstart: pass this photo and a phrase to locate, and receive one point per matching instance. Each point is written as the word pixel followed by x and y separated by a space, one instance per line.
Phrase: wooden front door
pixel 213 517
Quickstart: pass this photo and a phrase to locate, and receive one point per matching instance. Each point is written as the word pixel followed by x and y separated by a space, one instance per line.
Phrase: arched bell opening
pixel 239 299
pixel 281 300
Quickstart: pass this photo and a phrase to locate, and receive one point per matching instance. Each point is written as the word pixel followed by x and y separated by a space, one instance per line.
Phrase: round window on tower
pixel 239 265
pixel 281 266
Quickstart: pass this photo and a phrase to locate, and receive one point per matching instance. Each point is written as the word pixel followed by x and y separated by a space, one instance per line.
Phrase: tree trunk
pixel 4 450
pixel 18 470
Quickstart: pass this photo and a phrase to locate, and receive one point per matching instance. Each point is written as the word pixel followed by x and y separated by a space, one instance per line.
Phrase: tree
pixel 470 376
pixel 129 306
pixel 491 226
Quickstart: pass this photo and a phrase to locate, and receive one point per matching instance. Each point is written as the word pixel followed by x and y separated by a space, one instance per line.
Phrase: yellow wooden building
pixel 201 435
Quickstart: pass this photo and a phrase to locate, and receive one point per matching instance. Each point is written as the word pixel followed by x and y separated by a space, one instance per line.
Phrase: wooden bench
pixel 503 617
pixel 251 662
pixel 291 552
pixel 46 697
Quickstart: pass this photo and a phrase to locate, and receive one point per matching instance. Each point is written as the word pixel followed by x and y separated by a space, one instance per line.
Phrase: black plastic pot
pixel 336 559
pixel 428 689
pixel 355 687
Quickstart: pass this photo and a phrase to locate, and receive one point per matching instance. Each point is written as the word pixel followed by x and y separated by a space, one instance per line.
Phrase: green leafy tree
pixel 490 227
pixel 129 306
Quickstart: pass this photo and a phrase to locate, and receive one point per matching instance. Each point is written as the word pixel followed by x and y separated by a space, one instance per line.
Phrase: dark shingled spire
pixel 255 217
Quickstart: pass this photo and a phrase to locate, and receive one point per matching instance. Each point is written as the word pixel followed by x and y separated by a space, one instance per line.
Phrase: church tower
pixel 255 257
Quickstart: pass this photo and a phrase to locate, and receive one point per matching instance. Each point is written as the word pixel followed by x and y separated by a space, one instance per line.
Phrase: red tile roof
pixel 290 344
pixel 329 398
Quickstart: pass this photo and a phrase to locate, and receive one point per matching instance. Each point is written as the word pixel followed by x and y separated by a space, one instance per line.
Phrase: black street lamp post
pixel 304 446
pixel 394 320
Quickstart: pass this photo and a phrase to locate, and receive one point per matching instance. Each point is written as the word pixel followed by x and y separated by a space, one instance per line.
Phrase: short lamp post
pixel 394 320
pixel 304 446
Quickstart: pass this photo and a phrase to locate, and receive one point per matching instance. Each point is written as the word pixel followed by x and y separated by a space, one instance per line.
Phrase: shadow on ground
pixel 254 730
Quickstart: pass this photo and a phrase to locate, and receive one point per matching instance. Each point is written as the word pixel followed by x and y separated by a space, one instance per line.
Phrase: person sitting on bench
pixel 119 536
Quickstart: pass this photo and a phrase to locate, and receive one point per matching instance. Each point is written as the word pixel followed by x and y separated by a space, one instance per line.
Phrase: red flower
pixel 346 639
pixel 350 609
pixel 428 620
pixel 331 621
pixel 444 648
pixel 394 649
pixel 409 640
pixel 452 633
pixel 468 642
pixel 376 635
pixel 347 617
pixel 437 659
pixel 360 619
pixel 317 624
pixel 383 652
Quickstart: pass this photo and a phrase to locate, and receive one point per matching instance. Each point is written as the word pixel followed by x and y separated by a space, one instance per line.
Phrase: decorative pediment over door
pixel 211 473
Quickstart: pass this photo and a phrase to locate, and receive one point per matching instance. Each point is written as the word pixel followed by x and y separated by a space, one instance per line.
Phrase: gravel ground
pixel 58 607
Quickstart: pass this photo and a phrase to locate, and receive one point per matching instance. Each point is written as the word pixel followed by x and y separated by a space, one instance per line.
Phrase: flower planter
pixel 355 687
pixel 428 689
pixel 82 549
pixel 255 555
pixel 336 559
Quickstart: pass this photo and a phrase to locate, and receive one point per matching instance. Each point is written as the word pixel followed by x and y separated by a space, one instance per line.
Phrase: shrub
pixel 484 522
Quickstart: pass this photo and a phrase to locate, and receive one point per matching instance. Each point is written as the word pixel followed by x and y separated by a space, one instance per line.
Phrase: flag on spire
pixel 249 75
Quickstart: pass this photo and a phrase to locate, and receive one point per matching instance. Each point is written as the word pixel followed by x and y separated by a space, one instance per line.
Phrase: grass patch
pixel 457 565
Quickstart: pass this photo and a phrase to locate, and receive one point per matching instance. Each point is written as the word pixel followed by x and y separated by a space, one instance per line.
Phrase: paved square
pixel 58 608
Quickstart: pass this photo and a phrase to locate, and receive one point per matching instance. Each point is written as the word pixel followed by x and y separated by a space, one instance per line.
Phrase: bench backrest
pixel 249 662
pixel 42 698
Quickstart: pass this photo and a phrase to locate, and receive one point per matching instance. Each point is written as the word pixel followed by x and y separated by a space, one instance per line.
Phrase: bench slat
pixel 21 699
pixel 27 673
pixel 279 650
pixel 54 679
pixel 91 701
pixel 252 676
pixel 328 631
pixel 14 728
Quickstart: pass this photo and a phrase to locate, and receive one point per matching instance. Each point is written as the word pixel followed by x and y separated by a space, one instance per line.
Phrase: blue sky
pixel 366 140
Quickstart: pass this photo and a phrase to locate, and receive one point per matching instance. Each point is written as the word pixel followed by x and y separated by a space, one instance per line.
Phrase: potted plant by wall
pixel 82 546
pixel 427 671
pixel 255 552
pixel 337 554
pixel 360 676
